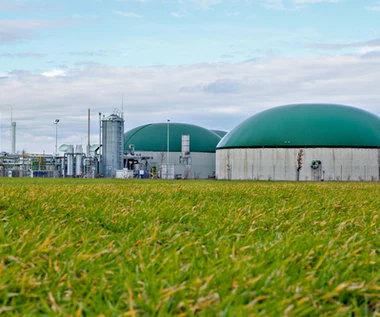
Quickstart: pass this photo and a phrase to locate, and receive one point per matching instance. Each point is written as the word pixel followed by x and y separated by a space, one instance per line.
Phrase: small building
pixel 191 149
pixel 303 142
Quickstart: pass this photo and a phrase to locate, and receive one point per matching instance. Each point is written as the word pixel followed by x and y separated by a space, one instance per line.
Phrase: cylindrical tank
pixel 63 168
pixel 89 167
pixel 70 161
pixel 112 144
pixel 78 160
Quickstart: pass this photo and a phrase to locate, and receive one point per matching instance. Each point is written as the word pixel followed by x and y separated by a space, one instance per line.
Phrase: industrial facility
pixel 307 142
pixel 101 159
pixel 173 150
pixel 162 150
pixel 299 142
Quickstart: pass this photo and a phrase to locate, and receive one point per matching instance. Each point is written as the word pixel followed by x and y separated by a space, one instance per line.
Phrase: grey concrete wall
pixel 345 164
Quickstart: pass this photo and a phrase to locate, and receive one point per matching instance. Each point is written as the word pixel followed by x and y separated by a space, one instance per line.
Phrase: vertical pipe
pixel 13 137
pixel 88 134
pixel 70 161
pixel 99 169
pixel 56 137
pixel 100 134
pixel 13 134
pixel 78 160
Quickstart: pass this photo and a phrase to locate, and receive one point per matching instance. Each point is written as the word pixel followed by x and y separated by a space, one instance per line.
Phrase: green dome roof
pixel 306 125
pixel 221 133
pixel 153 137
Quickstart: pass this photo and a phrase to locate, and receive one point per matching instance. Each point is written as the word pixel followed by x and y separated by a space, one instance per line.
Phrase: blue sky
pixel 206 62
pixel 153 32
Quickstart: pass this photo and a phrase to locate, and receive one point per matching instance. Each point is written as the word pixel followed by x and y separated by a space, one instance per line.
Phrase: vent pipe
pixel 13 134
pixel 88 132
pixel 13 137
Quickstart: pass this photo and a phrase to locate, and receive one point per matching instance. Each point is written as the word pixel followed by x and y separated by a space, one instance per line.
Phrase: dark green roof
pixel 220 132
pixel 306 125
pixel 153 137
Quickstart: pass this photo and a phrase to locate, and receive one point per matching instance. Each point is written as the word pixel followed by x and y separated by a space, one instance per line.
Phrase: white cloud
pixel 5 6
pixel 274 4
pixel 181 13
pixel 23 55
pixel 340 46
pixel 369 52
pixel 373 8
pixel 216 96
pixel 298 4
pixel 54 73
pixel 232 14
pixel 369 49
pixel 177 15
pixel 20 30
pixel 200 4
pixel 129 14
pixel 89 53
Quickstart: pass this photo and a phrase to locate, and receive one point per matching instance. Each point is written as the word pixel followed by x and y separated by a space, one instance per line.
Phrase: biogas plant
pixel 308 142
pixel 298 142
pixel 158 150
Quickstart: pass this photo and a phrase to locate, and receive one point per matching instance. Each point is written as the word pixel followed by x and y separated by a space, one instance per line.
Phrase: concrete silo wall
pixel 347 164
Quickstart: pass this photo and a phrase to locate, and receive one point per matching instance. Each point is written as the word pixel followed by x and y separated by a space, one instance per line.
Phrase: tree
pixel 299 163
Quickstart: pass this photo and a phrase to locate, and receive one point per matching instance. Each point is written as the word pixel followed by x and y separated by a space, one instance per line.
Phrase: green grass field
pixel 184 248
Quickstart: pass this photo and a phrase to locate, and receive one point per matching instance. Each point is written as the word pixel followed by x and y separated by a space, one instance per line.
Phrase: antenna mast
pixel 88 135
pixel 13 133
pixel 122 105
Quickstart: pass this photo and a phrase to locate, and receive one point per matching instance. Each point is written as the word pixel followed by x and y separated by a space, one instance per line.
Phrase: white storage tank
pixel 70 161
pixel 112 145
pixel 303 142
pixel 78 160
